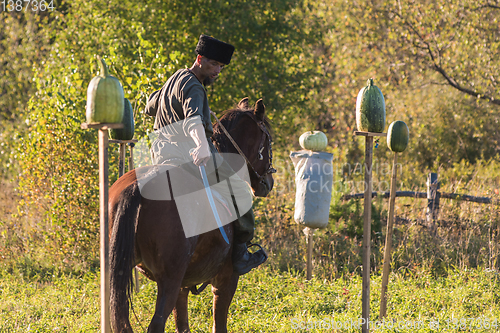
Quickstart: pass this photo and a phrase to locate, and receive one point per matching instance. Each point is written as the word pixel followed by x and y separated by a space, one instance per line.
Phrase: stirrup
pixel 245 267
pixel 260 247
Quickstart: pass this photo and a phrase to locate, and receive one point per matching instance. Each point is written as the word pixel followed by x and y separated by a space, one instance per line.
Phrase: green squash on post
pixel 127 132
pixel 370 109
pixel 105 98
pixel 397 136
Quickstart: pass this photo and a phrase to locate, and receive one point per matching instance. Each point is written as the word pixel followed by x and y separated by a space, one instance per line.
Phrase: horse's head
pixel 250 129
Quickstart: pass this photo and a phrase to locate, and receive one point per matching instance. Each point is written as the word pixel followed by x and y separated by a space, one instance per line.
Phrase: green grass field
pixel 267 301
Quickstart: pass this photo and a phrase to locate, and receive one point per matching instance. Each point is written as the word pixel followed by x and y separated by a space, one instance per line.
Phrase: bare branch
pixel 488 5
pixel 436 62
pixel 456 85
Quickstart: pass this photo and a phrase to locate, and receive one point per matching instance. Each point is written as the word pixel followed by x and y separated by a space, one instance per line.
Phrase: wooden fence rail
pixel 423 195
pixel 433 195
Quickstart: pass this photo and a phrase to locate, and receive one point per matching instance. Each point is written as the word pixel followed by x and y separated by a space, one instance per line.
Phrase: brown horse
pixel 149 234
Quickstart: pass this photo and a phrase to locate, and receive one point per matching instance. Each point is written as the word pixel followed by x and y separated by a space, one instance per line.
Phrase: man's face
pixel 210 70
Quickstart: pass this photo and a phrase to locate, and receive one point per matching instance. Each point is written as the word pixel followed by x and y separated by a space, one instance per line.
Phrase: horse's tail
pixel 121 257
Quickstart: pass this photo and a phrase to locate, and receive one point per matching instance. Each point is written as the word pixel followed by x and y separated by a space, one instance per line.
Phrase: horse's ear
pixel 243 104
pixel 260 109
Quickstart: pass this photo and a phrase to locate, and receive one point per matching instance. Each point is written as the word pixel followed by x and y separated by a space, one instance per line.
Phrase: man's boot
pixel 244 261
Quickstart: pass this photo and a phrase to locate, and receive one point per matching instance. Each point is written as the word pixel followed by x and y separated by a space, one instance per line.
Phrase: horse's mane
pixel 229 120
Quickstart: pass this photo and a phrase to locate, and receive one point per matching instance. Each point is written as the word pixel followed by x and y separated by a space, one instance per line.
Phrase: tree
pixel 417 51
pixel 144 43
pixel 458 39
pixel 23 42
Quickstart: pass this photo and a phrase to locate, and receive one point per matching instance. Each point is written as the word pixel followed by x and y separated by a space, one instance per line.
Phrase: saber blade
pixel 211 201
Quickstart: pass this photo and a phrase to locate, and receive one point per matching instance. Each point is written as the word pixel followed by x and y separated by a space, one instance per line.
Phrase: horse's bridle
pixel 265 135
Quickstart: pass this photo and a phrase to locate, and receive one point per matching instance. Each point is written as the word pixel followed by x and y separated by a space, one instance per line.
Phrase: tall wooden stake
pixel 121 172
pixel 131 167
pixel 131 156
pixel 309 236
pixel 367 233
pixel 388 241
pixel 103 218
pixel 121 160
pixel 365 296
pixel 104 228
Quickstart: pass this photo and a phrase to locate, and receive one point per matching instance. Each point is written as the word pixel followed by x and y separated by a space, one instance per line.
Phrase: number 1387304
pixel 25 5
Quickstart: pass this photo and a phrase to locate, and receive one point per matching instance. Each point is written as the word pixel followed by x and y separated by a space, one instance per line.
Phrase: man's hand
pixel 200 154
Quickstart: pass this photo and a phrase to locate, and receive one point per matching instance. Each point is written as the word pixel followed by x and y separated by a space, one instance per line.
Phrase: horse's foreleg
pixel 223 288
pixel 181 312
pixel 165 302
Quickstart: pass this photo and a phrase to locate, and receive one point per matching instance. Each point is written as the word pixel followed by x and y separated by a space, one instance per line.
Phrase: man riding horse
pixel 184 127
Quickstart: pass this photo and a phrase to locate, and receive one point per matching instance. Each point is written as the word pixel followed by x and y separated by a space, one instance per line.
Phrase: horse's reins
pixel 194 290
pixel 262 126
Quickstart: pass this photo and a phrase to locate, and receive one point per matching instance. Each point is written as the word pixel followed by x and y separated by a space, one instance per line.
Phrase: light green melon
pixel 105 98
pixel 370 109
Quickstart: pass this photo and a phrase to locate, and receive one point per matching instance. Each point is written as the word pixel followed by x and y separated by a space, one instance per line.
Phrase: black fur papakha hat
pixel 214 49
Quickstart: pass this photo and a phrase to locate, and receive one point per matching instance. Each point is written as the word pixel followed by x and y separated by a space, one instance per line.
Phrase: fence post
pixel 433 196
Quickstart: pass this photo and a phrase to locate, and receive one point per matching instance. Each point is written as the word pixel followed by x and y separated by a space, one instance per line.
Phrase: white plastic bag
pixel 313 180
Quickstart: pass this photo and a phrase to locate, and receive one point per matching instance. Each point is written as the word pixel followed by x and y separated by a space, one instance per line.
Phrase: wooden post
pixel 131 156
pixel 104 229
pixel 388 241
pixel 365 297
pixel 121 160
pixel 103 217
pixel 131 167
pixel 309 237
pixel 121 172
pixel 433 196
pixel 367 232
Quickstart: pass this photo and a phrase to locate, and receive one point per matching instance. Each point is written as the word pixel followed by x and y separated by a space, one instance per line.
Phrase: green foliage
pixel 58 182
pixel 405 47
pixel 468 234
pixel 349 219
pixel 24 41
pixel 440 35
pixel 434 61
pixel 447 130
pixel 143 44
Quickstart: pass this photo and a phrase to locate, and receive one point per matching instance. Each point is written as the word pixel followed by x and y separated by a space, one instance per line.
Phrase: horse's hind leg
pixel 181 312
pixel 223 287
pixel 168 291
